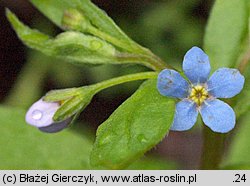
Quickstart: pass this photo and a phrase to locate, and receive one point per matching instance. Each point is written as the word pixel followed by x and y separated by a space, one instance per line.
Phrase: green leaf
pixel 54 10
pixel 135 127
pixel 70 45
pixel 25 147
pixel 30 37
pixel 226 32
pixel 239 149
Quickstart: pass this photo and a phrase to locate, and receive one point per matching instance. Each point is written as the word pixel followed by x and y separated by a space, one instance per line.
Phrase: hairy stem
pixel 213 149
pixel 123 79
pixel 147 61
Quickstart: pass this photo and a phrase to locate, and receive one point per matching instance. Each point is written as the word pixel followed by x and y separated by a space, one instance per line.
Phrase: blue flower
pixel 200 93
pixel 40 115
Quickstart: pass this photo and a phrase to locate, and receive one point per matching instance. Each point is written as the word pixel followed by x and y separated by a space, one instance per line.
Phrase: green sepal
pixel 68 109
pixel 75 104
pixel 60 95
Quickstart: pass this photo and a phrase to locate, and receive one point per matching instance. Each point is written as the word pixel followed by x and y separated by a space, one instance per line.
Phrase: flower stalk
pixel 147 61
pixel 123 79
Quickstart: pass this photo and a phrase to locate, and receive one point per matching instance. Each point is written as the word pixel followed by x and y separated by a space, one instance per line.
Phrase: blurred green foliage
pixel 169 28
pixel 25 147
pixel 238 156
pixel 226 38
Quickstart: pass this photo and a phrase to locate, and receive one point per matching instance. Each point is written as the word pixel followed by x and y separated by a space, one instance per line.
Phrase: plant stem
pixel 123 79
pixel 213 149
pixel 148 61
pixel 244 62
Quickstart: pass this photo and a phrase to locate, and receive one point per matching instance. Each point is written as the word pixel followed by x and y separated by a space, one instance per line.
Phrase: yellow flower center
pixel 198 94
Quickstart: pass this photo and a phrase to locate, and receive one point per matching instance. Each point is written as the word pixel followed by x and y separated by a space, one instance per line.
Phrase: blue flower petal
pixel 225 83
pixel 171 83
pixel 196 65
pixel 218 116
pixel 185 115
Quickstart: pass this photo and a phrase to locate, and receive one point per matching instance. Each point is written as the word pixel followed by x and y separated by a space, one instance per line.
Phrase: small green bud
pixel 75 104
pixel 75 20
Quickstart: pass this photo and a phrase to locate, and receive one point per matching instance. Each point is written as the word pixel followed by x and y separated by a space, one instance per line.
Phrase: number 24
pixel 240 178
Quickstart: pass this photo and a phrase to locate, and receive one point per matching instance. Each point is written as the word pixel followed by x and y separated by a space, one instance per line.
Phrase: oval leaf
pixel 136 126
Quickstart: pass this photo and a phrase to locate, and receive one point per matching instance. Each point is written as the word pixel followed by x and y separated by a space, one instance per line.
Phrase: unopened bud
pixel 40 115
pixel 75 20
